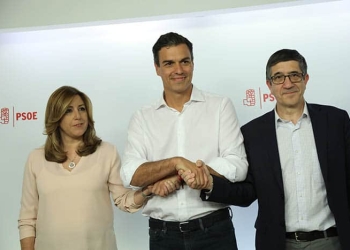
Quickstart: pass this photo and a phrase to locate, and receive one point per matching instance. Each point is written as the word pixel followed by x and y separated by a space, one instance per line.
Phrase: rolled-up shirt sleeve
pixel 232 160
pixel 135 152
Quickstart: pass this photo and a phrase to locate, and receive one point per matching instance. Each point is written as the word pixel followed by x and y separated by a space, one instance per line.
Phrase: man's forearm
pixel 151 172
pixel 27 243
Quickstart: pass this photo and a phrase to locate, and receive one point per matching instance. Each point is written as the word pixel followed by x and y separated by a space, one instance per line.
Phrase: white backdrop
pixel 113 64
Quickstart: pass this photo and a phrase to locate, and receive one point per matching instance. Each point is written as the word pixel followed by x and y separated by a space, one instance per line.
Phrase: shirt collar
pixel 196 96
pixel 304 115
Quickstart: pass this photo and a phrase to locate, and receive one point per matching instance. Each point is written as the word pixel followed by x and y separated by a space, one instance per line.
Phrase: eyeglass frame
pixel 288 75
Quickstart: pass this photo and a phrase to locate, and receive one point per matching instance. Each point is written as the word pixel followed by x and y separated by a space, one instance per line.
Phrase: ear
pixel 269 84
pixel 157 69
pixel 306 78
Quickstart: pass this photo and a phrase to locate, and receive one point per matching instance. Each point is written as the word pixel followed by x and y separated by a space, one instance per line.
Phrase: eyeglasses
pixel 293 77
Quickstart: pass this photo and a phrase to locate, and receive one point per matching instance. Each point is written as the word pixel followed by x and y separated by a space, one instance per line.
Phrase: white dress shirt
pixel 306 205
pixel 206 129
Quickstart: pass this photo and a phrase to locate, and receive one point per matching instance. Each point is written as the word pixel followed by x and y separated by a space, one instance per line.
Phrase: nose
pixel 178 68
pixel 77 114
pixel 287 83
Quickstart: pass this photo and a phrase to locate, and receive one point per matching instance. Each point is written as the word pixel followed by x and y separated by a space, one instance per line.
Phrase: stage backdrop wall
pixel 113 65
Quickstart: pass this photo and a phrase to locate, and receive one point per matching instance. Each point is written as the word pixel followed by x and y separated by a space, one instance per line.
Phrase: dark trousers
pixel 219 236
pixel 331 243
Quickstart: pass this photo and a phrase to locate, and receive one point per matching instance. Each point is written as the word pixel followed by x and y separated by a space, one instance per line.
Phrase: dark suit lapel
pixel 270 140
pixel 319 127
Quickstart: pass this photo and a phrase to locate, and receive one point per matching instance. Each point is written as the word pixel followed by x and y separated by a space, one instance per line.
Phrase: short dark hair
pixel 284 55
pixel 167 40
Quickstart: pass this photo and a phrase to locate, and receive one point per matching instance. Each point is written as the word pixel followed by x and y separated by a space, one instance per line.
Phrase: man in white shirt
pixel 185 129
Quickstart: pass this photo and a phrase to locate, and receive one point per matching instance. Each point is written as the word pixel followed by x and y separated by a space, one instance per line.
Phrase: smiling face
pixel 75 120
pixel 288 94
pixel 176 69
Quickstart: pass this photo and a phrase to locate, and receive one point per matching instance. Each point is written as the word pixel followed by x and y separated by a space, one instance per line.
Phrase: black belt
pixel 191 225
pixel 313 235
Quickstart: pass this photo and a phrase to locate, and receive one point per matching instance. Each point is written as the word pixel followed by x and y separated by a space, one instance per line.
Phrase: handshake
pixel 197 177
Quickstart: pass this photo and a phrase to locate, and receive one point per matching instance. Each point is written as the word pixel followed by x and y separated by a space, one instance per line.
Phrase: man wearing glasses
pixel 299 166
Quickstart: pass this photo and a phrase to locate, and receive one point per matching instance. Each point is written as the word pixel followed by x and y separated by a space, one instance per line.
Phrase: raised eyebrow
pixel 80 105
pixel 290 72
pixel 277 73
pixel 167 61
pixel 172 61
pixel 186 59
pixel 293 72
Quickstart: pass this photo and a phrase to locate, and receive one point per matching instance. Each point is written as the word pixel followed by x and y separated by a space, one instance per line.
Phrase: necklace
pixel 71 165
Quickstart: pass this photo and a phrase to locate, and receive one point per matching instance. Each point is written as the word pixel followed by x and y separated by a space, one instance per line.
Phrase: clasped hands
pixel 196 176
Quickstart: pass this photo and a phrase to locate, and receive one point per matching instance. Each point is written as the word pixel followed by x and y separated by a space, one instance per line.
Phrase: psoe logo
pixel 6 116
pixel 253 99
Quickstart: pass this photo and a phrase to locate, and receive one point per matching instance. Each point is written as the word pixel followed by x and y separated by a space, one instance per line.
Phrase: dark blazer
pixel 331 127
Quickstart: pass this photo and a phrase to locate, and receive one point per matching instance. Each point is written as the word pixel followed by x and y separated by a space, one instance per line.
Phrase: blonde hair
pixel 55 110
